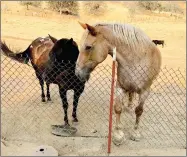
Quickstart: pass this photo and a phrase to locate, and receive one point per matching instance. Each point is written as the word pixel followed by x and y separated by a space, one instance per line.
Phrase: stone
pixel 44 150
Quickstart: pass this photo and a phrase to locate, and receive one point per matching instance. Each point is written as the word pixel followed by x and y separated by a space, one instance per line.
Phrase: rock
pixel 44 150
pixel 94 131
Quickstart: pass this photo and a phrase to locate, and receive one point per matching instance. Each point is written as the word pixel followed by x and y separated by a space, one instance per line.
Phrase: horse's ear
pixel 91 30
pixel 54 40
pixel 82 25
pixel 70 41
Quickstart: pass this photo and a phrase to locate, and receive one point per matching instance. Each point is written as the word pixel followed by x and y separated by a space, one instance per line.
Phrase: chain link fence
pixel 24 117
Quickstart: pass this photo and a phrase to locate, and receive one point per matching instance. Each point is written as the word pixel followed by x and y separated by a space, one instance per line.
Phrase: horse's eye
pixel 88 47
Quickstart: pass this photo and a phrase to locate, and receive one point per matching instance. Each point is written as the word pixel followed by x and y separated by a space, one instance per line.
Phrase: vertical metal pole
pixel 111 100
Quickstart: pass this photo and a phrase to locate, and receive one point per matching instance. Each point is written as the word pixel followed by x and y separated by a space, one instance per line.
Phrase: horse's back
pixel 40 49
pixel 141 70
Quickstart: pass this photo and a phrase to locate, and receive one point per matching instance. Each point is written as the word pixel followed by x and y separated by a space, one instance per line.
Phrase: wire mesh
pixel 25 117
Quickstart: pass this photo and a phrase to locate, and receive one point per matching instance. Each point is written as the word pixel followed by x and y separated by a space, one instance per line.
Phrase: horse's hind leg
pixel 48 92
pixel 41 81
pixel 131 96
pixel 42 87
pixel 63 96
pixel 129 108
pixel 138 111
pixel 77 94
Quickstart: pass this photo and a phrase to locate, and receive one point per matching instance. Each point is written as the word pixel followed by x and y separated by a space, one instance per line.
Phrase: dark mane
pixel 65 50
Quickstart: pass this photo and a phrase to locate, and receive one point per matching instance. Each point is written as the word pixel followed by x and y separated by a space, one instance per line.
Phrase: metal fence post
pixel 111 99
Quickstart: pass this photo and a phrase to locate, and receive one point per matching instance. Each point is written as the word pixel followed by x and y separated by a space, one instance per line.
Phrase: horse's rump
pixel 40 49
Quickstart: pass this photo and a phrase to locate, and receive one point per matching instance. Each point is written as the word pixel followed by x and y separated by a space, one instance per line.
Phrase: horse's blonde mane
pixel 128 34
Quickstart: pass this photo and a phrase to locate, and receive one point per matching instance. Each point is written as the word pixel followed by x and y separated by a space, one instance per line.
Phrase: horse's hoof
pixel 75 120
pixel 66 124
pixel 43 100
pixel 49 99
pixel 118 137
pixel 135 136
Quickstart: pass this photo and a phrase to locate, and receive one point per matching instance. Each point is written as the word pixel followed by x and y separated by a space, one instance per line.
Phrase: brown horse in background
pixel 159 42
pixel 38 54
pixel 138 59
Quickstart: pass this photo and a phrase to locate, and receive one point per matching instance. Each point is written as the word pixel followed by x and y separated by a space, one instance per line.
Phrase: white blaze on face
pixel 42 40
pixel 83 39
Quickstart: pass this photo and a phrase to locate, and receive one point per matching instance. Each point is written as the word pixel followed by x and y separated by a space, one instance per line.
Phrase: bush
pixel 95 8
pixel 132 12
pixel 31 3
pixel 132 8
pixel 66 7
pixel 172 7
pixel 160 6
pixel 150 5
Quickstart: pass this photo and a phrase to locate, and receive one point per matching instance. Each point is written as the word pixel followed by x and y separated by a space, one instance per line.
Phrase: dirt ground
pixel 26 121
pixel 87 149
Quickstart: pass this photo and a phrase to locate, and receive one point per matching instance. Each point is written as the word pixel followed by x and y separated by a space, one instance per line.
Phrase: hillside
pixel 20 26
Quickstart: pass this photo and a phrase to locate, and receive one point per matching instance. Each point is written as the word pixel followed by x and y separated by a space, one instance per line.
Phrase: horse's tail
pixel 22 57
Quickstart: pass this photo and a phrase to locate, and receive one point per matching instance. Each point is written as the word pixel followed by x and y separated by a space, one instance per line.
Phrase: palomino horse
pixel 138 58
pixel 56 62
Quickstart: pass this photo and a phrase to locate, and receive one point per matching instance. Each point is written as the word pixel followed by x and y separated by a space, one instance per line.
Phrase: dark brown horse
pixel 159 42
pixel 54 61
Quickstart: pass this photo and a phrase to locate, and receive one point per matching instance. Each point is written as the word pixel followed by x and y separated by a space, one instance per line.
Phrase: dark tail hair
pixel 22 57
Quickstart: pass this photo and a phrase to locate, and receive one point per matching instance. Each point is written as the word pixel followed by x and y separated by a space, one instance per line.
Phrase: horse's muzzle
pixel 83 74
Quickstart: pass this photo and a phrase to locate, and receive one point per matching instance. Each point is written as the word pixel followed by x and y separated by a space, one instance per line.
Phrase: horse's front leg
pixel 118 135
pixel 63 96
pixel 118 106
pixel 118 110
pixel 48 92
pixel 77 94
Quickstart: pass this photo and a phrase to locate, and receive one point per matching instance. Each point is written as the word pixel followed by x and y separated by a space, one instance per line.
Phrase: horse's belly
pixel 134 79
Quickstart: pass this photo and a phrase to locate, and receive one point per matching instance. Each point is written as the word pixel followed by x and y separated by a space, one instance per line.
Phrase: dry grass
pixel 22 27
